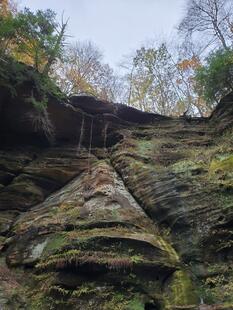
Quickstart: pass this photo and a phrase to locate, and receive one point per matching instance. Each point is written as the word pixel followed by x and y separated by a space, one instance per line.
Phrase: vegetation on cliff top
pixel 164 78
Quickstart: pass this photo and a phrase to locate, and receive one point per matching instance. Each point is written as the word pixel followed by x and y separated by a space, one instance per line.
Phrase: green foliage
pixel 217 287
pixel 55 243
pixel 150 79
pixel 20 80
pixel 182 291
pixel 161 81
pixel 221 170
pixel 11 75
pixel 29 45
pixel 9 30
pixel 215 79
pixel 117 302
pixel 32 38
pixel 187 167
pixel 136 259
pixel 14 76
pixel 135 304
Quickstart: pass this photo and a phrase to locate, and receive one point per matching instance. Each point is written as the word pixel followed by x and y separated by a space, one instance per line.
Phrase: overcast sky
pixel 117 27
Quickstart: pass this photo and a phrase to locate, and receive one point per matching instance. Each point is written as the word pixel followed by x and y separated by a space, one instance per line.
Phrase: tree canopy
pixel 33 38
pixel 215 79
pixel 189 76
pixel 211 18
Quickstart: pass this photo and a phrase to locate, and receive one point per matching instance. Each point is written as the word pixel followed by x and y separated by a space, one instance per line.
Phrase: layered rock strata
pixel 106 207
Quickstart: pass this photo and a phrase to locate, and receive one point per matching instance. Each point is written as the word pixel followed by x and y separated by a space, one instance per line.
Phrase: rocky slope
pixel 106 207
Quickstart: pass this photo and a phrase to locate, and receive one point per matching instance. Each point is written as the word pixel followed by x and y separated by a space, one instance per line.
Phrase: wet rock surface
pixel 121 210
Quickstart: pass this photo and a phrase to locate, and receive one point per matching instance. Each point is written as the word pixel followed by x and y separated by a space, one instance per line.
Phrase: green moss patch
pixel 187 167
pixel 181 291
pixel 221 170
pixel 222 164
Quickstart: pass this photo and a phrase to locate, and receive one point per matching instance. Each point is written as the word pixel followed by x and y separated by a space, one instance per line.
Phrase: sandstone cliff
pixel 106 207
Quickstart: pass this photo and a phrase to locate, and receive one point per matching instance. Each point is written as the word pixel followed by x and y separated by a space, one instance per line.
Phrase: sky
pixel 117 27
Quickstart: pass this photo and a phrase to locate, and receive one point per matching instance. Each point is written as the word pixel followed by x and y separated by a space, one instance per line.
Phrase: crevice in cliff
pixel 90 145
pixel 105 134
pixel 16 171
pixel 102 224
pixel 81 133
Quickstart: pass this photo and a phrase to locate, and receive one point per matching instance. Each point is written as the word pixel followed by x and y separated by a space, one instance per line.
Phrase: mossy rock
pixel 181 291
pixel 188 168
pixel 217 286
pixel 55 243
pixel 222 164
pixel 221 170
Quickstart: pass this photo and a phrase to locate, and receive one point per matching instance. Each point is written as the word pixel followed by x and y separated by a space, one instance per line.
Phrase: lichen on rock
pixel 139 217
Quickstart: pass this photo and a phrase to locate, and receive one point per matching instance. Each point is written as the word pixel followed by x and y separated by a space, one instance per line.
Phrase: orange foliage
pixel 7 7
pixel 187 64
pixel 4 7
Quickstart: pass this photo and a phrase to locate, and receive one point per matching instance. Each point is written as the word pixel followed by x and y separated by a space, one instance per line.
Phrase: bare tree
pixel 83 72
pixel 209 17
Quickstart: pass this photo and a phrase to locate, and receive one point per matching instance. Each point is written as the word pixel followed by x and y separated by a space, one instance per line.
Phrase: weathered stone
pixel 115 215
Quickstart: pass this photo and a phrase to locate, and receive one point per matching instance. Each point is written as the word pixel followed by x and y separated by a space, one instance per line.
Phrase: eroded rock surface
pixel 124 210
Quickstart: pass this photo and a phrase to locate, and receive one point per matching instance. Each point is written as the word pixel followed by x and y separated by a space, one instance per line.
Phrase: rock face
pixel 106 207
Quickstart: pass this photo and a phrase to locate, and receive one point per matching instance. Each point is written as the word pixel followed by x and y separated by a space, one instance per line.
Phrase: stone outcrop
pixel 105 207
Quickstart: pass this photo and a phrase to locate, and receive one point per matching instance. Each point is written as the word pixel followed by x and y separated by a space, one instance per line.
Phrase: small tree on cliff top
pixel 33 38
